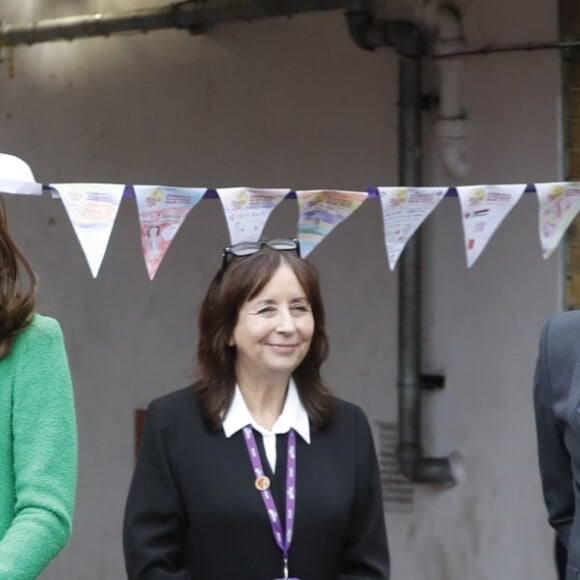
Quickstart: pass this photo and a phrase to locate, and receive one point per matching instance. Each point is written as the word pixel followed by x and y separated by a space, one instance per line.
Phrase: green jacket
pixel 38 451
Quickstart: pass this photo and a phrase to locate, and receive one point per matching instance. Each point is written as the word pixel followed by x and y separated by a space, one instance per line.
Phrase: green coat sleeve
pixel 45 453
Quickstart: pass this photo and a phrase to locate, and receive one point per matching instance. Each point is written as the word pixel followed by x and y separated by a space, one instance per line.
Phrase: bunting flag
pixel 559 203
pixel 483 208
pixel 404 210
pixel 162 211
pixel 320 211
pixel 92 209
pixel 16 176
pixel 247 210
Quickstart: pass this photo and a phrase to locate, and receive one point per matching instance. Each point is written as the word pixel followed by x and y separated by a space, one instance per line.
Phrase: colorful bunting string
pixel 92 209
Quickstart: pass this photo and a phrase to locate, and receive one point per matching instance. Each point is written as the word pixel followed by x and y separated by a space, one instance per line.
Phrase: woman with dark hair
pixel 256 472
pixel 38 444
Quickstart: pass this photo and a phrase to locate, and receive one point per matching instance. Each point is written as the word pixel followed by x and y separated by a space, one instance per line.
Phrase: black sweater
pixel 193 512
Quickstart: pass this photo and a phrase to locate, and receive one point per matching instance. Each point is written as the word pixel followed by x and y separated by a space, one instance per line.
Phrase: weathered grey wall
pixel 292 102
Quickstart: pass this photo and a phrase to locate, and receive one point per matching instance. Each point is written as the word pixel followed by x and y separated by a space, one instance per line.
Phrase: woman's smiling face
pixel 274 329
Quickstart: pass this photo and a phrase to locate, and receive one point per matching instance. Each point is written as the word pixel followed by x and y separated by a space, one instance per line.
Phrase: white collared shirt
pixel 293 416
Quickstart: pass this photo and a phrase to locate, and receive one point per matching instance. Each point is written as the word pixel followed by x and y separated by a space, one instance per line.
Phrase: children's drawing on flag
pixel 558 205
pixel 320 211
pixel 92 209
pixel 162 211
pixel 483 208
pixel 247 210
pixel 404 210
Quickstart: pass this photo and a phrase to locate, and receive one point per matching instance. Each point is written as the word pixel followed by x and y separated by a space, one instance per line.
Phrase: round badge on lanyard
pixel 262 484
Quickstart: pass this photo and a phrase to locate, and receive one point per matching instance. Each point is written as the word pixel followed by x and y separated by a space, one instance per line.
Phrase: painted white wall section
pixel 293 102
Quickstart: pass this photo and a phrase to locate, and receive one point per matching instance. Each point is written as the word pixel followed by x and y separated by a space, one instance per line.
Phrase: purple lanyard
pixel 263 483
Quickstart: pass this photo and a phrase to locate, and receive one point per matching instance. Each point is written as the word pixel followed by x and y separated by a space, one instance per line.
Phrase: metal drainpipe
pixel 414 465
pixel 193 15
pixel 407 40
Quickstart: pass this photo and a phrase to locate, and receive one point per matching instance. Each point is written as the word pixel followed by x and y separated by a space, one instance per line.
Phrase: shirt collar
pixel 293 416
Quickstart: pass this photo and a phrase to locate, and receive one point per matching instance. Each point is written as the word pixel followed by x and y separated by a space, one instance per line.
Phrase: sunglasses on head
pixel 245 249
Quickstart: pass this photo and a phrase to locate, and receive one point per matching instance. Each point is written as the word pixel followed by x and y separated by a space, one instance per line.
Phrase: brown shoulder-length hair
pixel 17 297
pixel 242 280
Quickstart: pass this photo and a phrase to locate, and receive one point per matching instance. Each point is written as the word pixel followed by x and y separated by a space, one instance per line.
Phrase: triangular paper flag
pixel 559 204
pixel 247 210
pixel 16 176
pixel 92 209
pixel 162 210
pixel 483 208
pixel 320 211
pixel 404 210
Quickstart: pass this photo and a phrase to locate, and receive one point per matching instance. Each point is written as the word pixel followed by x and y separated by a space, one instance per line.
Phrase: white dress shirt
pixel 293 416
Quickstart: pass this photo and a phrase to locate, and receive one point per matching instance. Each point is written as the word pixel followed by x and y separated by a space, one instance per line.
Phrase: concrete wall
pixel 292 102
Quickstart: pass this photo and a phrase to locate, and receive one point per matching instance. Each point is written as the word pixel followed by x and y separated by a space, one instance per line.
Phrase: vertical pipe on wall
pixel 406 39
pixel 409 283
pixel 413 463
pixel 450 129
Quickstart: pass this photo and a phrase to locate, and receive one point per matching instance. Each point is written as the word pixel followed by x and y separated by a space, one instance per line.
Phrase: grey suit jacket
pixel 557 411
